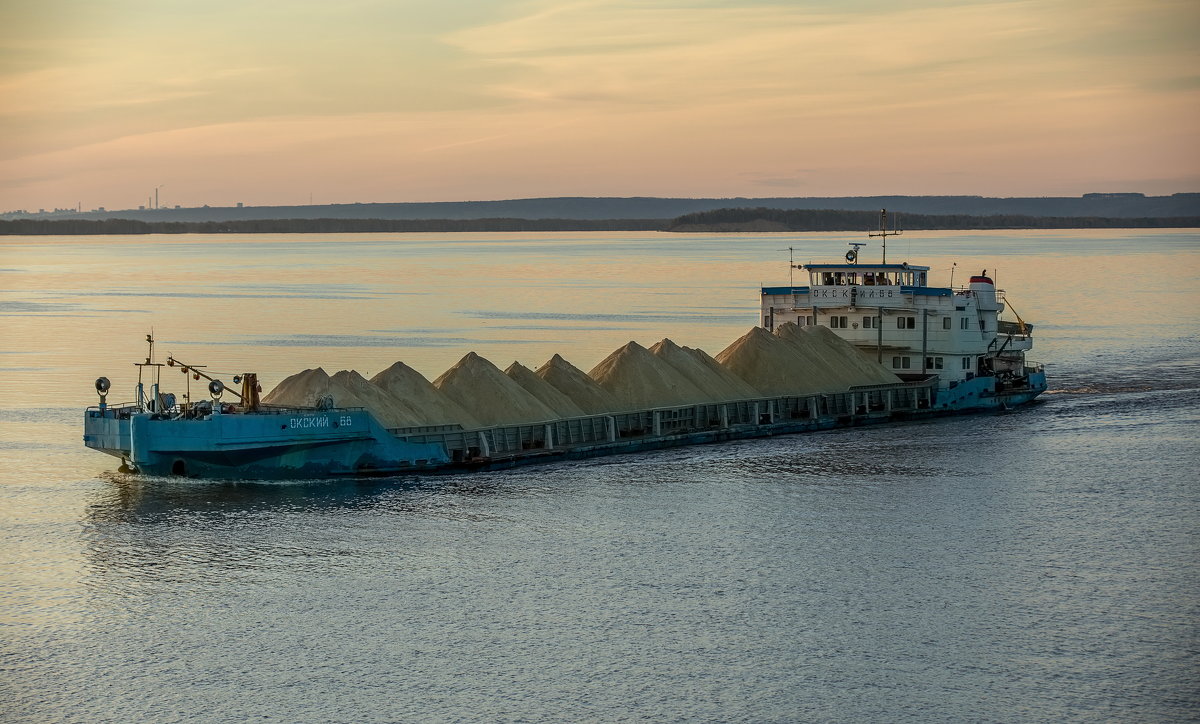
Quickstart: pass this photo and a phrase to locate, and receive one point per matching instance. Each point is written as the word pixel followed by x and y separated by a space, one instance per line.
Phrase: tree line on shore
pixel 317 226
pixel 759 219
pixel 764 219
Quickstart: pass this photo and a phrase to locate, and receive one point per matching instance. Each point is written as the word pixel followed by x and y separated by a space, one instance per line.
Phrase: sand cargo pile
pixel 491 396
pixel 434 407
pixel 718 383
pixel 638 380
pixel 562 405
pixel 576 385
pixel 347 388
pixel 825 348
pixel 475 393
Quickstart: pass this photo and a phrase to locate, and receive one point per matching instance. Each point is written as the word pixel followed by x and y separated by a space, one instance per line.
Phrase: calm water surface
pixel 1041 565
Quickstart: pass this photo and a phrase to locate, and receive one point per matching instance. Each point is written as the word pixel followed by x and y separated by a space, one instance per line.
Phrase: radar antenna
pixel 885 232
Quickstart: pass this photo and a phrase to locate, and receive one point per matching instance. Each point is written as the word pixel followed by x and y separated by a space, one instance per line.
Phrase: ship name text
pixel 298 423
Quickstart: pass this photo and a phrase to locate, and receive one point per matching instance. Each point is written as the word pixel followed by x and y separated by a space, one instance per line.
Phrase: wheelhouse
pixel 879 275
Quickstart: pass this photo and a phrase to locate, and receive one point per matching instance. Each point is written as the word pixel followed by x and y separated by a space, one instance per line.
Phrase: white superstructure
pixel 890 312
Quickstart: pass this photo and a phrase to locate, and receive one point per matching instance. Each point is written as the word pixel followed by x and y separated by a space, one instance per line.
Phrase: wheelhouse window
pixel 901 363
pixel 934 363
pixel 870 322
pixel 966 363
pixel 837 322
pixel 945 323
pixel 965 323
pixel 906 322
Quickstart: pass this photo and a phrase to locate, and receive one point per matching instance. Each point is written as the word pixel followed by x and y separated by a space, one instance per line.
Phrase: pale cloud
pixel 93 87
pixel 995 89
pixel 177 66
pixel 647 53
pixel 420 100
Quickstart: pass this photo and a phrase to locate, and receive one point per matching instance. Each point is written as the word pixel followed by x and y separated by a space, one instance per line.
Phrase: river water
pixel 1038 565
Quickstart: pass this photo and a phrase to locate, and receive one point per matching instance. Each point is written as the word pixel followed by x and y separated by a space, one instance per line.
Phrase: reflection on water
pixel 140 532
pixel 135 499
pixel 146 501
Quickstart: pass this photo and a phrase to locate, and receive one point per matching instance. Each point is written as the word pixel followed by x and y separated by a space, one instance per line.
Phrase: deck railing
pixel 664 422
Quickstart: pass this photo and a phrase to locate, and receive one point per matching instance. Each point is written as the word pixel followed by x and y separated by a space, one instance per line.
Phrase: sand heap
pixel 348 389
pixel 710 361
pixel 639 380
pixel 549 396
pixel 704 372
pixel 405 383
pixel 800 361
pixel 575 384
pixel 489 395
pixel 824 369
pixel 303 389
pixel 854 367
pixel 769 364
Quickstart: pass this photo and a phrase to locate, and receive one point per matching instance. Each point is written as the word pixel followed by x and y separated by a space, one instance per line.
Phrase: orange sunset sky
pixel 437 100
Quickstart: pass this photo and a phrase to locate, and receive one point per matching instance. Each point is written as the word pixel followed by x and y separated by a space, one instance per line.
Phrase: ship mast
pixel 884 232
pixel 148 403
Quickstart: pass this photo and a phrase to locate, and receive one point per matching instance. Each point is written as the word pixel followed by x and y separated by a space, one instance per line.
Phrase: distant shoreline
pixel 736 220
pixel 766 220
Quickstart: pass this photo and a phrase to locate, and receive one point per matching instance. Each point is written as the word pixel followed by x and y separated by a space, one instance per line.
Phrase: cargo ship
pixel 947 347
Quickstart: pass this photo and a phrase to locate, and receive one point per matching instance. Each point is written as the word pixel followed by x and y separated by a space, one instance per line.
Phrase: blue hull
pixel 985 393
pixel 288 444
pixel 301 444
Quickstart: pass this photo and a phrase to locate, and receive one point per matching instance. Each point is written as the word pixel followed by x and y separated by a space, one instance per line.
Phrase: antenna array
pixel 884 232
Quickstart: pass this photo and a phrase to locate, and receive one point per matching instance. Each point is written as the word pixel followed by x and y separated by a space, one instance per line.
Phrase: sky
pixel 289 101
